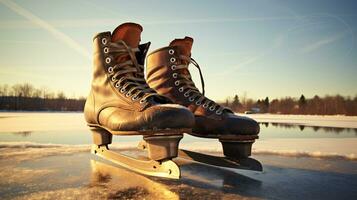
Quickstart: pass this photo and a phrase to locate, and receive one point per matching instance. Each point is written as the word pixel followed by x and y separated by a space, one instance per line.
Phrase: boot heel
pixel 162 147
pixel 237 149
pixel 101 136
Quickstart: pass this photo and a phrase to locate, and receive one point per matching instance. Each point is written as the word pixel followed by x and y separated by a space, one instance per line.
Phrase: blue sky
pixel 259 47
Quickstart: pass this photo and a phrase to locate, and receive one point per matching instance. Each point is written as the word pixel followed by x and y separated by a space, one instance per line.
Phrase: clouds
pixel 47 27
pixel 101 22
pixel 323 42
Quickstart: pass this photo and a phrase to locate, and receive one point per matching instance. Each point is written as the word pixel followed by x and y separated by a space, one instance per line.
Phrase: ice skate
pixel 121 103
pixel 168 74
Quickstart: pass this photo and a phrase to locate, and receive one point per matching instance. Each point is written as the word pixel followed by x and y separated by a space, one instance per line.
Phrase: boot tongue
pixel 184 45
pixel 129 33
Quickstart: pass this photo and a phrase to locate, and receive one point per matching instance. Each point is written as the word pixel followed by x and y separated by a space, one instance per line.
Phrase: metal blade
pixel 166 169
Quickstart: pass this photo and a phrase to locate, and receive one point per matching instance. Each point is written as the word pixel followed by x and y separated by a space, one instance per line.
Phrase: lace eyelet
pixel 122 90
pixel 211 108
pixel 110 69
pixel 191 99
pixel 205 105
pixel 104 41
pixel 171 51
pixel 173 67
pixel 117 85
pixel 198 103
pixel 174 75
pixel 128 94
pixel 106 50
pixel 142 101
pixel 113 78
pixel 177 83
pixel 172 59
pixel 186 94
pixel 134 98
pixel 181 89
pixel 108 60
pixel 218 112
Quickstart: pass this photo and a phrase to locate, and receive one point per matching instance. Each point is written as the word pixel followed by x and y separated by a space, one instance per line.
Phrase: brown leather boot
pixel 120 101
pixel 168 74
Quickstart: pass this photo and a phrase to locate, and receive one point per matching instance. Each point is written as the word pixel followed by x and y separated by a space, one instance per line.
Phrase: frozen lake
pixel 46 155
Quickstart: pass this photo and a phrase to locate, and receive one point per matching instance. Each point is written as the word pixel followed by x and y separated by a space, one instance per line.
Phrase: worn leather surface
pixel 159 76
pixel 106 106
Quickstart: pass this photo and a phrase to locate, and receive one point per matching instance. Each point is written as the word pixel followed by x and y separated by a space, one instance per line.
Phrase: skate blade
pixel 245 164
pixel 165 169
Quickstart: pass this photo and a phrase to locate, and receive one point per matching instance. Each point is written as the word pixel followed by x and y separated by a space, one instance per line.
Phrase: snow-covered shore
pixel 41 121
pixel 337 121
pixel 47 121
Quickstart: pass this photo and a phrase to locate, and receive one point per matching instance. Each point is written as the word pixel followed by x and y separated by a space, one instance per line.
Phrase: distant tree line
pixel 27 97
pixel 327 105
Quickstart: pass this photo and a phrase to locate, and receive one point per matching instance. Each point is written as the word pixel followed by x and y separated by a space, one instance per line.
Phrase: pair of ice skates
pixel 161 107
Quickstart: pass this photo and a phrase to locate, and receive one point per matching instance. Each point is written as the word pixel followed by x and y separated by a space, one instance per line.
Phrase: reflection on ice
pixel 133 186
pixel 23 133
pixel 335 130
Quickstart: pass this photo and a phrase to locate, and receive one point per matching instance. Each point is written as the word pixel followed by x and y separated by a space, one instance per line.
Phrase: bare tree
pixel 61 95
pixel 26 90
pixel 16 90
pixel 3 90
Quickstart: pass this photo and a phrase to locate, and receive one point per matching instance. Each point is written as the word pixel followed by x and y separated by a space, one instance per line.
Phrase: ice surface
pixel 82 176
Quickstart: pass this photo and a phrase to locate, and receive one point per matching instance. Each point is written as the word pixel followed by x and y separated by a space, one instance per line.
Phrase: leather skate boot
pixel 120 101
pixel 168 74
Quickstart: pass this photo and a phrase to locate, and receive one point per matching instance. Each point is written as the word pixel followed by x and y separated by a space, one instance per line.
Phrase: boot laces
pixel 190 90
pixel 128 76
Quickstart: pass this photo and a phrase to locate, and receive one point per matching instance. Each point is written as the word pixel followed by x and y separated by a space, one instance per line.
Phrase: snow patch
pixel 318 148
